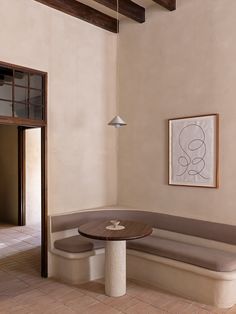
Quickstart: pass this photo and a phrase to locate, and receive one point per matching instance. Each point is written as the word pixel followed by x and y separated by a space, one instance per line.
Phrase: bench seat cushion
pixel 78 244
pixel 209 258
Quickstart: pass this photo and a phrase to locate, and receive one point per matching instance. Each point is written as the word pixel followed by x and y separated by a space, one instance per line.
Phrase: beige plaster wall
pixel 33 175
pixel 9 174
pixel 80 61
pixel 177 64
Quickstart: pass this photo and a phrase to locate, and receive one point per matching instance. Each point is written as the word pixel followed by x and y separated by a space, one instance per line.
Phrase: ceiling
pixel 103 13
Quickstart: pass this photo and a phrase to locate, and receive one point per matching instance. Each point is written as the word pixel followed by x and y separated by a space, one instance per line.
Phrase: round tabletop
pixel 97 230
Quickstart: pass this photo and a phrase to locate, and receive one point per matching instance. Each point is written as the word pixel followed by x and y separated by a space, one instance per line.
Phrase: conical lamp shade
pixel 117 122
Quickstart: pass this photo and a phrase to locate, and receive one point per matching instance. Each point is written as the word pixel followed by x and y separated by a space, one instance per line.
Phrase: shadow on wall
pixel 9 174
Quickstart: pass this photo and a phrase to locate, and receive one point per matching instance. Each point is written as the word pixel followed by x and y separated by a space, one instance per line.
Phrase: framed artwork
pixel 194 151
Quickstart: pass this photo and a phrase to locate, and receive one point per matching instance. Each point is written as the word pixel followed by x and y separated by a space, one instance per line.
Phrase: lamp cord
pixel 117 58
pixel 117 17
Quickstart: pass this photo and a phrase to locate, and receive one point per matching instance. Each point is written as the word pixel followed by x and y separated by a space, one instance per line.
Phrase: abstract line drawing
pixel 193 151
pixel 188 162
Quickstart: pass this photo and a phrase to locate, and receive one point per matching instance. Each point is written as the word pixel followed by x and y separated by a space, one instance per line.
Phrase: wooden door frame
pixel 44 204
pixel 21 190
pixel 21 176
pixel 23 124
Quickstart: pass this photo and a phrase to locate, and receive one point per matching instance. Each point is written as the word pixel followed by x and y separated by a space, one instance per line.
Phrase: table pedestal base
pixel 115 268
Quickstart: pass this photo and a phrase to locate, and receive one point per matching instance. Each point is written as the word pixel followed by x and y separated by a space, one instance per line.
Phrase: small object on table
pixel 115 225
pixel 115 248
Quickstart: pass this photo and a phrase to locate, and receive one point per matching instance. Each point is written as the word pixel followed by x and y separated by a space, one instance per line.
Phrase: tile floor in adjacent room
pixel 23 291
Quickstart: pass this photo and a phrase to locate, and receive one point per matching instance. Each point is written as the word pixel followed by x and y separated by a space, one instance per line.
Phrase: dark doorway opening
pixel 23 106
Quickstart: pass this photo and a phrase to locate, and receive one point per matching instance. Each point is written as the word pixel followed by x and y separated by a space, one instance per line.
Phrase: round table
pixel 115 249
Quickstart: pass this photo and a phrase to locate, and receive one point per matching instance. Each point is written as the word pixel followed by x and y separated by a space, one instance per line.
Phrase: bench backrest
pixel 198 228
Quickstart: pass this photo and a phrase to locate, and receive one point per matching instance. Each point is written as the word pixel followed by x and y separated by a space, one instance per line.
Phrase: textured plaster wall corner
pixel 179 63
pixel 80 60
pixel 87 157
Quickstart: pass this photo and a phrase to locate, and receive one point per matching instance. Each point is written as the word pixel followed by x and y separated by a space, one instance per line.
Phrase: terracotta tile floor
pixel 23 291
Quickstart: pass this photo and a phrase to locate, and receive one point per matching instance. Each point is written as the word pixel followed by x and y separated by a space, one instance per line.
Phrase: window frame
pixel 19 120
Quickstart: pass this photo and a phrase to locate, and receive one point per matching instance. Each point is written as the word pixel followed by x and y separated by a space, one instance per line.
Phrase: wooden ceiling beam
pixel 126 7
pixel 168 4
pixel 84 12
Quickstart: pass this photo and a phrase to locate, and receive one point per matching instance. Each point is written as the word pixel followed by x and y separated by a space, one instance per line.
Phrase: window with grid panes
pixel 21 94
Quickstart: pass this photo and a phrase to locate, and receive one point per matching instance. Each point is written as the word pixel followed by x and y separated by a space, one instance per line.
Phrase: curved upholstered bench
pixel 196 259
pixel 78 244
pixel 208 258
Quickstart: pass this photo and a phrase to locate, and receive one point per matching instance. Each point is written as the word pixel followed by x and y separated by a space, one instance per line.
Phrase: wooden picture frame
pixel 194 151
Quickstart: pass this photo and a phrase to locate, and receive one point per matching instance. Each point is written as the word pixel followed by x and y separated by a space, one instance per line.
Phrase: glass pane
pixel 35 97
pixel 21 78
pixel 36 112
pixel 5 108
pixel 6 75
pixel 21 94
pixel 5 91
pixel 21 110
pixel 36 81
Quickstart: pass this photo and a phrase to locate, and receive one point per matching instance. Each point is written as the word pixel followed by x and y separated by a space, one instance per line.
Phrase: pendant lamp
pixel 117 121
